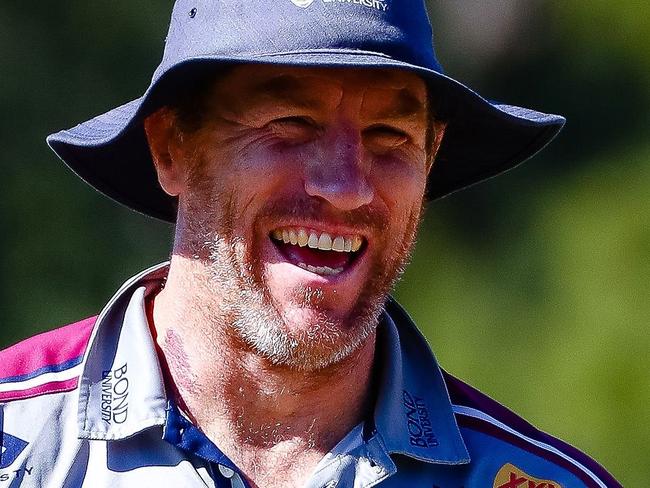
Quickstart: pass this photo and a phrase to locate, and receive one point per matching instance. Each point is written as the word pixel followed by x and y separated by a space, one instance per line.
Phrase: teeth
pixel 313 240
pixel 323 241
pixel 338 244
pixel 303 238
pixel 321 270
pixel 356 243
pixel 348 245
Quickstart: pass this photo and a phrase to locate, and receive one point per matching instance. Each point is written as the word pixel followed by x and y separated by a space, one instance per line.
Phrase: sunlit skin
pixel 333 150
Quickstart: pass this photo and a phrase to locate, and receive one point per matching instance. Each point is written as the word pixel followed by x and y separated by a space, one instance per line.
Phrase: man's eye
pixel 295 121
pixel 384 137
pixel 296 129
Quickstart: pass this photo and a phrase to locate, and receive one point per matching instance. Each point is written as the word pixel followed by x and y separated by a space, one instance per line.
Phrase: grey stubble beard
pixel 254 317
pixel 245 306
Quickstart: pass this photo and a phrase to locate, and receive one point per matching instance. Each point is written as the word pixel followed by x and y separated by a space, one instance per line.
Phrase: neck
pixel 258 413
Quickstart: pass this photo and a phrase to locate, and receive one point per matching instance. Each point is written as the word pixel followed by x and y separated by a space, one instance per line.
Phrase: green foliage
pixel 597 27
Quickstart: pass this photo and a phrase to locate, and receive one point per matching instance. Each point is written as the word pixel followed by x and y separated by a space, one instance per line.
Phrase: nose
pixel 339 172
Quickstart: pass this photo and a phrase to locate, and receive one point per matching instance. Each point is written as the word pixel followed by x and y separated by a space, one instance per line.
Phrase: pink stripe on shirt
pixel 46 350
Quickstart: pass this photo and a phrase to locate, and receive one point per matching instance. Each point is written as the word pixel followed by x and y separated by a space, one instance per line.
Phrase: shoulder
pixel 46 363
pixel 38 404
pixel 493 429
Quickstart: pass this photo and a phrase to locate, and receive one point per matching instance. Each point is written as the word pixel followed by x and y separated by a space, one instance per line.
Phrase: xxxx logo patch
pixel 510 476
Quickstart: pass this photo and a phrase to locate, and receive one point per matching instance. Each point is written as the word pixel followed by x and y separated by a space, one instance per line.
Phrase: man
pixel 292 143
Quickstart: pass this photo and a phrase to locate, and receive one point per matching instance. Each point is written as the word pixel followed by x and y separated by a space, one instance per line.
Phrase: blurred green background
pixel 534 286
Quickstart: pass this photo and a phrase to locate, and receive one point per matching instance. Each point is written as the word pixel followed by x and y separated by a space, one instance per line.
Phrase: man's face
pixel 301 190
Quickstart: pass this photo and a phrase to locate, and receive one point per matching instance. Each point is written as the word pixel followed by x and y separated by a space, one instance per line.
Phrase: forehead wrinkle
pixel 287 89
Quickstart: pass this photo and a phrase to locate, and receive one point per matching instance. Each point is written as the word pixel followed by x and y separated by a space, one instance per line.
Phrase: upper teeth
pixel 323 241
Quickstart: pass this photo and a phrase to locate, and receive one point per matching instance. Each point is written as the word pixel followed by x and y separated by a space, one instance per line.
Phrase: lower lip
pixel 333 278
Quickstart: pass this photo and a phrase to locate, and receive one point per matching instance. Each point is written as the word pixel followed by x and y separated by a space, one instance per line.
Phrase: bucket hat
pixel 482 138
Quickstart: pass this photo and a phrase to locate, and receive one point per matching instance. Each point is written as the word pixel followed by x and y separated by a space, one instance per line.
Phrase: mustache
pixel 365 217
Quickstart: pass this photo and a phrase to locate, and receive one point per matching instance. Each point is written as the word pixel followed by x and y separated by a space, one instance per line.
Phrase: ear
pixel 439 127
pixel 163 137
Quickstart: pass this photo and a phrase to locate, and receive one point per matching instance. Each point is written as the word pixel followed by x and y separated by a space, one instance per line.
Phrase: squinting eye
pixel 384 137
pixel 294 128
pixel 295 122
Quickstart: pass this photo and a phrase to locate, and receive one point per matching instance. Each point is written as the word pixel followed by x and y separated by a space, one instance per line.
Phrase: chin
pixel 305 338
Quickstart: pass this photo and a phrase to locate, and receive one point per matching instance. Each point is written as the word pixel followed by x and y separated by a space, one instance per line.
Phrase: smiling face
pixel 300 189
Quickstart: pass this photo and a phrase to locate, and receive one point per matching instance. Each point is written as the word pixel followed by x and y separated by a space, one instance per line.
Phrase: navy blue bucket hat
pixel 482 139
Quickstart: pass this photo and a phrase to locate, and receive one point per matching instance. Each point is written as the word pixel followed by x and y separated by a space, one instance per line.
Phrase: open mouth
pixel 318 252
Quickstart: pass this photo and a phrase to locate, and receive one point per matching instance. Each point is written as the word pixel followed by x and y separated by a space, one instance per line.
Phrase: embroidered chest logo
pixel 418 421
pixel 115 393
pixel 510 476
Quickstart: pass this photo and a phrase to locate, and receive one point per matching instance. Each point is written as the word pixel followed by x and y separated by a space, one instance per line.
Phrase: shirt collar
pixel 122 391
pixel 413 412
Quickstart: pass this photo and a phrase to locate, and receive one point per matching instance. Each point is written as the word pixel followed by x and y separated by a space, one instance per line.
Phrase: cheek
pixel 400 185
pixel 244 158
pixel 251 176
pixel 267 167
pixel 246 187
pixel 401 189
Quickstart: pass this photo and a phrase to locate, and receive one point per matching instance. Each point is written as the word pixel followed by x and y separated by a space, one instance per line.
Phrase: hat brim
pixel 482 139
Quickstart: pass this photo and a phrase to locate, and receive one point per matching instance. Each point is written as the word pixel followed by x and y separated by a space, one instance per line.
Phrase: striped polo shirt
pixel 85 405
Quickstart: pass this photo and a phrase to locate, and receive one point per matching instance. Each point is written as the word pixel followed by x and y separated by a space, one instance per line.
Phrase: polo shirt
pixel 85 405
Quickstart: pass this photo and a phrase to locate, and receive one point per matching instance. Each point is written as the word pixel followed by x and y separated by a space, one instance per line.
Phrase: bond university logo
pixel 115 395
pixel 380 5
pixel 510 476
pixel 418 421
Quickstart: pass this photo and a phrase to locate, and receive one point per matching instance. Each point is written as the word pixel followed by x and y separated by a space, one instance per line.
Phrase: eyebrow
pixel 407 105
